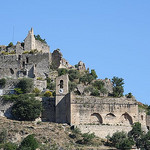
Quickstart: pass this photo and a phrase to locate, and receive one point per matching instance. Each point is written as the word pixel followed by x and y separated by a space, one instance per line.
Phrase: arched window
pixel 96 118
pixel 61 84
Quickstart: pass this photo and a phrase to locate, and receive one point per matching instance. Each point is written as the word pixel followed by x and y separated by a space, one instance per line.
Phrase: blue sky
pixel 110 36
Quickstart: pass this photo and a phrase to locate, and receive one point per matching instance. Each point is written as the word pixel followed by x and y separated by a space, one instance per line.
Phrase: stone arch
pixel 96 118
pixel 110 116
pixel 126 119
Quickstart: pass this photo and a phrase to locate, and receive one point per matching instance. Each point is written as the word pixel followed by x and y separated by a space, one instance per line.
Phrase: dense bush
pixel 2 82
pixel 73 74
pixel 62 71
pixel 10 146
pixel 38 37
pixel 26 108
pixel 99 85
pixel 26 85
pixel 129 95
pixel 72 86
pixel 29 143
pixel 120 140
pixel 136 133
pixel 95 92
pixel 50 84
pixel 10 98
pixel 87 138
pixel 36 91
pixel 93 73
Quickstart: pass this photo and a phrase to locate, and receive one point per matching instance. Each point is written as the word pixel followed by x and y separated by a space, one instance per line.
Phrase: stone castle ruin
pixel 30 59
pixel 103 115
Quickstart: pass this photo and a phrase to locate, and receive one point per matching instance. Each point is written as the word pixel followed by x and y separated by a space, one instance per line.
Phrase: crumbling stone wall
pixel 42 46
pixel 48 113
pixel 30 43
pixel 26 65
pixel 58 61
pixel 106 110
pixel 103 130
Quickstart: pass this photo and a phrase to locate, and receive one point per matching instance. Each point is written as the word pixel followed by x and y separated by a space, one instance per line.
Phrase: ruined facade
pixel 29 59
pixel 91 113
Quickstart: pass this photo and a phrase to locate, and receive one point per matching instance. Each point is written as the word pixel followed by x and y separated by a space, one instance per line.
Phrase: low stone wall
pixel 103 130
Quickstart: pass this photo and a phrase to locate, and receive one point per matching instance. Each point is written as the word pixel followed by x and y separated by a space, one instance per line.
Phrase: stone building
pixel 95 114
pixel 26 63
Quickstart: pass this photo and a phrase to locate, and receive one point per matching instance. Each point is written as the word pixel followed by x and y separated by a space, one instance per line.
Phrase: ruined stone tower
pixel 29 42
pixel 62 102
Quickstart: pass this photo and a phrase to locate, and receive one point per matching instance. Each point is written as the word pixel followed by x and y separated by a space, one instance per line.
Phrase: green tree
pixel 38 37
pixel 93 73
pixel 86 79
pixel 95 92
pixel 26 108
pixel 99 85
pixel 10 44
pixel 129 95
pixel 73 74
pixel 144 142
pixel 62 71
pixel 51 85
pixel 120 140
pixel 117 86
pixel 136 133
pixel 72 86
pixel 26 85
pixel 29 143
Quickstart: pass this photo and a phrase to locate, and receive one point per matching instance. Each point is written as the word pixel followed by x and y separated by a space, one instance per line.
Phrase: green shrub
pixel 72 86
pixel 93 73
pixel 39 78
pixel 34 51
pixel 87 137
pixel 4 53
pixel 36 91
pixel 10 98
pixel 26 108
pixel 10 44
pixel 73 74
pixel 2 82
pixel 86 79
pixel 120 140
pixel 26 52
pixel 38 37
pixel 51 85
pixel 29 143
pixel 10 146
pixel 95 92
pixel 18 91
pixel 12 52
pixel 48 94
pixel 62 71
pixel 26 85
pixel 129 95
